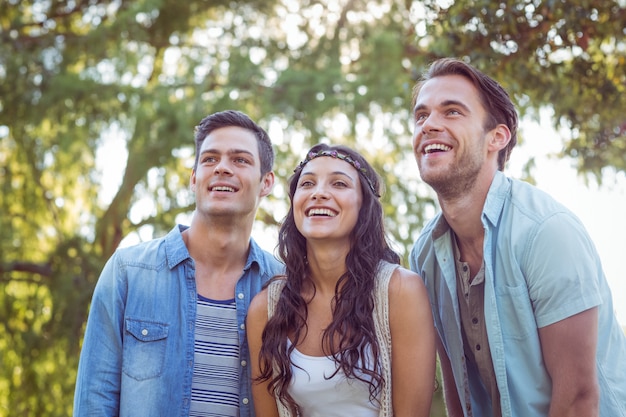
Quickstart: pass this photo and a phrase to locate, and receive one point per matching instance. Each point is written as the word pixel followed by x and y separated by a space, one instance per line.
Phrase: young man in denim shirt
pixel 166 329
pixel 521 305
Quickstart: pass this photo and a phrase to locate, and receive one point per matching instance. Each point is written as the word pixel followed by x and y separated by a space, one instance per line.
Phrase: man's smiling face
pixel 449 138
pixel 227 179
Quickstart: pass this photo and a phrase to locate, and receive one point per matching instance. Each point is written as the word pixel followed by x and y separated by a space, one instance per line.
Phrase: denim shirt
pixel 137 357
pixel 540 267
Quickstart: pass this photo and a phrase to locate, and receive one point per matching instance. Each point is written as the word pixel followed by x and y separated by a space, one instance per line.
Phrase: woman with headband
pixel 346 331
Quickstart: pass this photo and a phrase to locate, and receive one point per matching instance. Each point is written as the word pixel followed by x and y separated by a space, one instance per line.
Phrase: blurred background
pixel 98 100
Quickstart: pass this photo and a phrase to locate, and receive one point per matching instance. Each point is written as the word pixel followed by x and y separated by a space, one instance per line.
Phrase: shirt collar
pixel 255 256
pixel 176 251
pixel 499 189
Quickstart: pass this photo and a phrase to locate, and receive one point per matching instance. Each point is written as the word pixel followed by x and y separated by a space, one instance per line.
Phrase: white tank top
pixel 319 396
pixel 331 408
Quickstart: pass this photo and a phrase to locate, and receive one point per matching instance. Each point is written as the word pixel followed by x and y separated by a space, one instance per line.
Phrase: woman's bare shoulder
pixel 406 285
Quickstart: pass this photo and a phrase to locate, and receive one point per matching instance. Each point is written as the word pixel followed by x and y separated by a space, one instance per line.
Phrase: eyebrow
pixel 228 152
pixel 445 103
pixel 313 174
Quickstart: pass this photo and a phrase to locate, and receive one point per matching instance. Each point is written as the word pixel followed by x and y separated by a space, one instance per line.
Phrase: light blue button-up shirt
pixel 540 267
pixel 138 351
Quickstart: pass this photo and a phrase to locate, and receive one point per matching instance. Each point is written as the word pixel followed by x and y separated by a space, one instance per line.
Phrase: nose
pixel 223 167
pixel 319 193
pixel 430 124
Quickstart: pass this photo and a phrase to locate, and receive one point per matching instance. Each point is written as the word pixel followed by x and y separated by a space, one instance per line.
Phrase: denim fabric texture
pixel 138 350
pixel 540 267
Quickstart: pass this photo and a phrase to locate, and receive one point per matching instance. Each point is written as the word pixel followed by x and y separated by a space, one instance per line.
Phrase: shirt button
pixel 475 320
pixel 244 363
pixel 240 296
pixel 242 326
pixel 477 347
pixel 245 401
pixel 144 332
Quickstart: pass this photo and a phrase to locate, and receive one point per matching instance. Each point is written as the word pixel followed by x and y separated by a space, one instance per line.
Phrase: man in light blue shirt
pixel 520 302
pixel 166 330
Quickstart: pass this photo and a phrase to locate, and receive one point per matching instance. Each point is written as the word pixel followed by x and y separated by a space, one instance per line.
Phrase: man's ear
pixel 267 183
pixel 500 137
pixel 192 181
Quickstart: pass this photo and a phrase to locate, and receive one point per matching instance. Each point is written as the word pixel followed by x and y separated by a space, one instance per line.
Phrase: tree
pixel 562 55
pixel 77 75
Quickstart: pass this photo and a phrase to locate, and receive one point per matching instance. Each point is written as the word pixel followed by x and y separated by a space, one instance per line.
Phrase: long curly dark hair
pixel 350 338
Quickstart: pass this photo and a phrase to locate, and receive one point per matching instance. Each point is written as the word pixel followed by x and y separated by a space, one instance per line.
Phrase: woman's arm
pixel 413 345
pixel 264 402
pixel 450 394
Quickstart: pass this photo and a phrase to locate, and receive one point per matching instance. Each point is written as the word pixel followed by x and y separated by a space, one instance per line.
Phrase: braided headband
pixel 343 157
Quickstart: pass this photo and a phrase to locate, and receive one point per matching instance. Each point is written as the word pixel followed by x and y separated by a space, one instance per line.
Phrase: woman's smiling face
pixel 327 199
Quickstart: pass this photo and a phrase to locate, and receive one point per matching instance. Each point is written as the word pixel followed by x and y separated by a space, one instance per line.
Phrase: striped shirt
pixel 215 384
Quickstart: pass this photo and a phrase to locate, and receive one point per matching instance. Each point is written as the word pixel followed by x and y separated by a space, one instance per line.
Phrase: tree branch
pixel 33 268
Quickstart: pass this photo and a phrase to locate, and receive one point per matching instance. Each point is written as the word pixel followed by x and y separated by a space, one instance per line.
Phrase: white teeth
pixel 321 212
pixel 222 188
pixel 436 147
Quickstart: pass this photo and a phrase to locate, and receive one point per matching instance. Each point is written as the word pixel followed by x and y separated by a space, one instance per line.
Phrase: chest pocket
pixel 145 344
pixel 515 306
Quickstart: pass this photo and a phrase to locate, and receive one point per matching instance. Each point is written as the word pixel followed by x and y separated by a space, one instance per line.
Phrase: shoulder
pixel 258 306
pixel 521 212
pixel 408 299
pixel 532 202
pixel 154 252
pixel 539 217
pixel 405 285
pixel 148 254
pixel 257 316
pixel 149 246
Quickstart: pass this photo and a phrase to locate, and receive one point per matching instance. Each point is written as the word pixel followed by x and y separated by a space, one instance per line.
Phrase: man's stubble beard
pixel 458 179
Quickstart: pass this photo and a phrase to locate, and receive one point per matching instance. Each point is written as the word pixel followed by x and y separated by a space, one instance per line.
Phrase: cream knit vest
pixel 381 325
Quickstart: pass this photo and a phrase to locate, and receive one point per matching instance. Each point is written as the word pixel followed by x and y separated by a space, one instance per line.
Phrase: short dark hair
pixel 496 101
pixel 236 118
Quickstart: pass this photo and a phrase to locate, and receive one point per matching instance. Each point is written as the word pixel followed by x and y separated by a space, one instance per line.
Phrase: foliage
pixel 80 77
pixel 568 56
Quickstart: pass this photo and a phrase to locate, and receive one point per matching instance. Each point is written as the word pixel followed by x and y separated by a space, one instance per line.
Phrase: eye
pixel 340 184
pixel 305 184
pixel 453 112
pixel 208 159
pixel 241 160
pixel 420 117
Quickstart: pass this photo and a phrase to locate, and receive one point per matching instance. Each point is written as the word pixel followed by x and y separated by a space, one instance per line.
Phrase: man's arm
pixel 98 379
pixel 450 393
pixel 569 352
